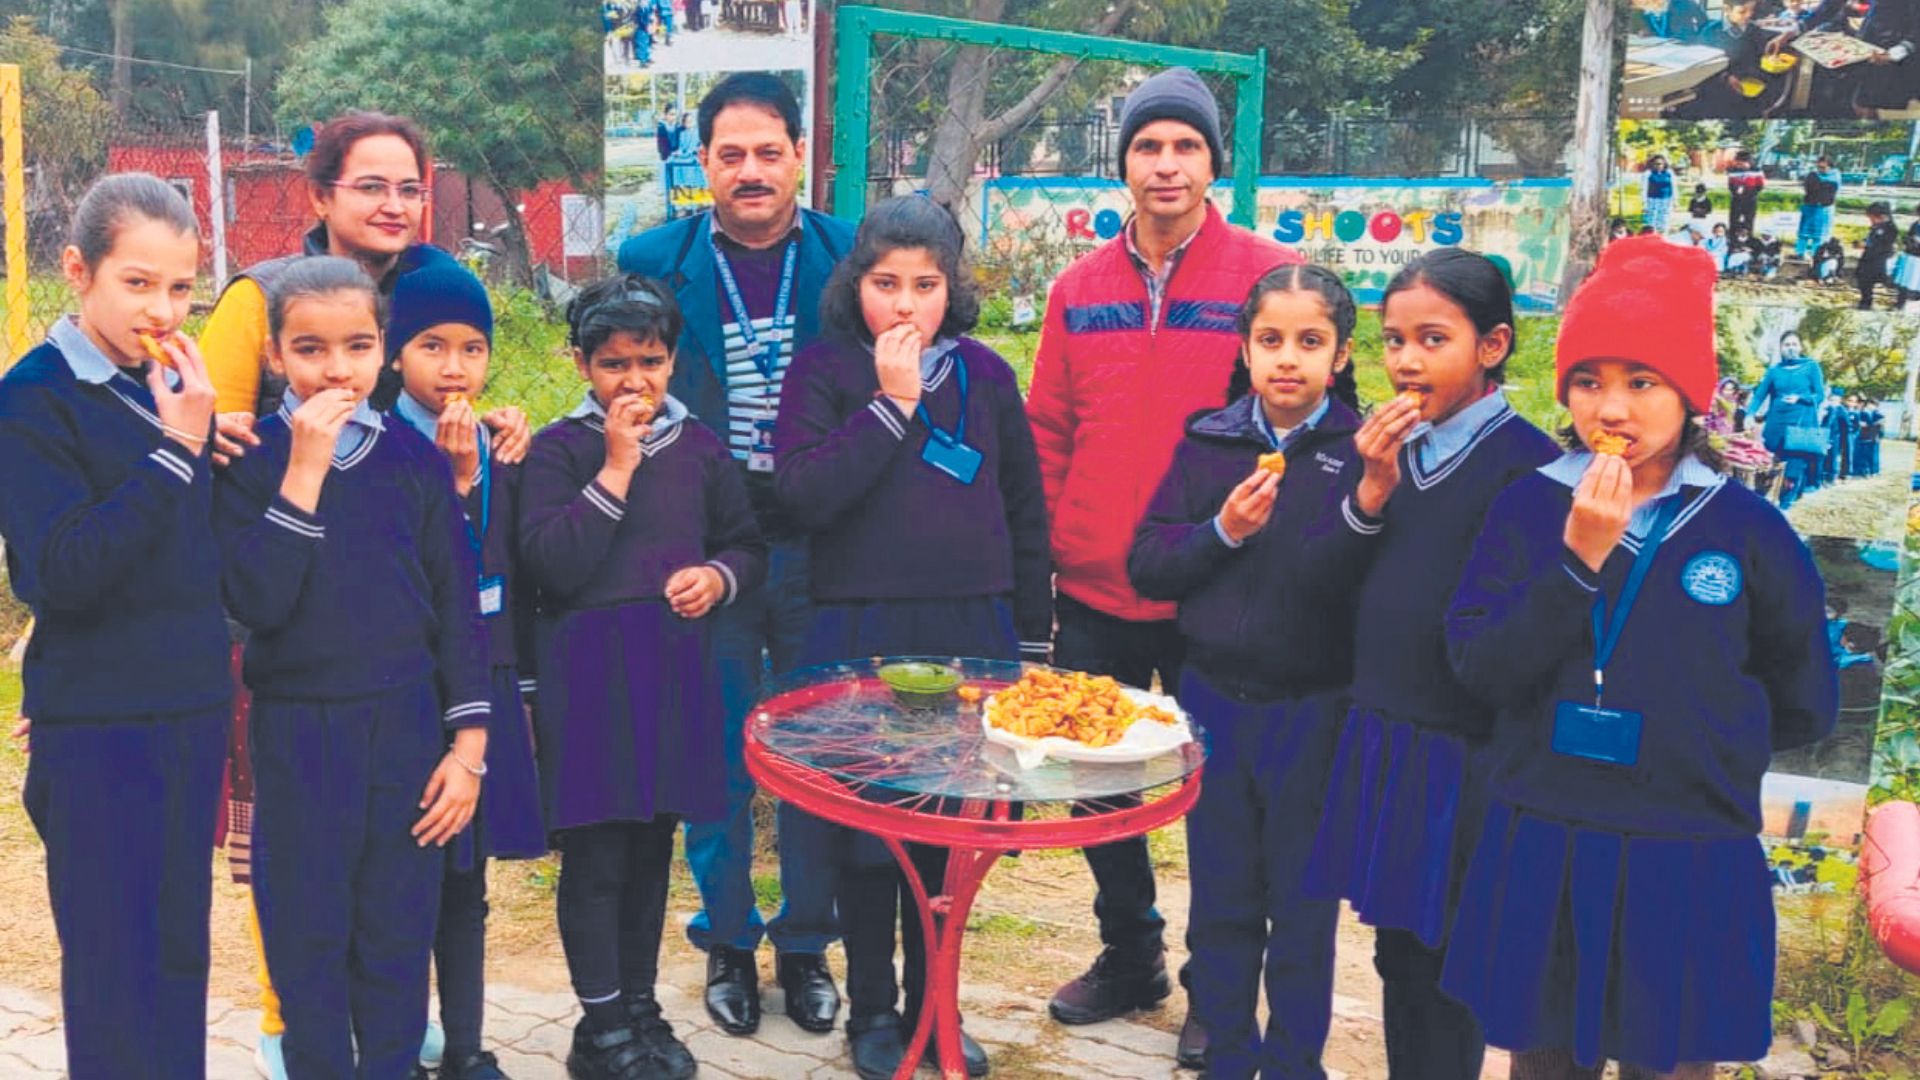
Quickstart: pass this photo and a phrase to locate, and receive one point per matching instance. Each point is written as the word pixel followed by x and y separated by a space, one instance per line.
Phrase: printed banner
pixel 1365 228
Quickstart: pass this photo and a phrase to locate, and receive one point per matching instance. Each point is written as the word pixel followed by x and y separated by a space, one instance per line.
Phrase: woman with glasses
pixel 367 184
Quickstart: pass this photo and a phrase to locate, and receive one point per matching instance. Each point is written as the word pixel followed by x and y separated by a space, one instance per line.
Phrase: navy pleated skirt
pixel 1402 802
pixel 630 720
pixel 509 822
pixel 1652 951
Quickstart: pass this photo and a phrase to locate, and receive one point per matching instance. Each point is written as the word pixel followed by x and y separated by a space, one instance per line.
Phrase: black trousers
pixel 1132 652
pixel 1430 1036
pixel 613 904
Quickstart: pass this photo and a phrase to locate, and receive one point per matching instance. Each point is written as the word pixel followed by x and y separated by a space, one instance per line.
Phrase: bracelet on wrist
pixel 462 762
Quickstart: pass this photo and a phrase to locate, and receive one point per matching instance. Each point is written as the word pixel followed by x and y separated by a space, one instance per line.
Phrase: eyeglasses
pixel 406 192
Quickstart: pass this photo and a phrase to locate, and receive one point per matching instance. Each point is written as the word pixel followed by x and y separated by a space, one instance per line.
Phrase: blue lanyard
pixel 1607 637
pixel 959 435
pixel 769 359
pixel 478 539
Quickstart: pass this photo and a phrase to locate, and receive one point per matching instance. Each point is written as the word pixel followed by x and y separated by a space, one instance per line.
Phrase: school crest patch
pixel 1712 578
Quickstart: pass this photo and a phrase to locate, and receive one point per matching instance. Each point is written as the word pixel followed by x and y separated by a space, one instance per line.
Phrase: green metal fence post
pixel 1248 118
pixel 853 51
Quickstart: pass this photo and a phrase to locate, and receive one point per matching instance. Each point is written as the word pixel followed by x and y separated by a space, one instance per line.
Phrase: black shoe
pixel 877 1045
pixel 812 1000
pixel 1111 987
pixel 733 990
pixel 1191 1051
pixel 480 1066
pixel 657 1036
pixel 970 1052
pixel 615 1054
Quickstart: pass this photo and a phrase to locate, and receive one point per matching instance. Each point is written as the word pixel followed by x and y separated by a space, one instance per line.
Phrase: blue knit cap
pixel 442 291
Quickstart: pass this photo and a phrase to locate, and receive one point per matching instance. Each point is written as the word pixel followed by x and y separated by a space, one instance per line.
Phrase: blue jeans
pixel 767 627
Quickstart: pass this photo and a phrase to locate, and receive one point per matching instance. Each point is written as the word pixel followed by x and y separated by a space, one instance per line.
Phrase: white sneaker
pixel 267 1059
pixel 434 1046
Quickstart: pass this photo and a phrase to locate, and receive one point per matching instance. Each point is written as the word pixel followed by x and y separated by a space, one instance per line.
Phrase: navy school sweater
pixel 109 541
pixel 885 525
pixel 1272 618
pixel 1724 653
pixel 1429 525
pixel 491 515
pixel 685 506
pixel 373 591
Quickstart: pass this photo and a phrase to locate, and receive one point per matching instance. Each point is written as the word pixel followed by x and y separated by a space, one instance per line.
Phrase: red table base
pixel 976 840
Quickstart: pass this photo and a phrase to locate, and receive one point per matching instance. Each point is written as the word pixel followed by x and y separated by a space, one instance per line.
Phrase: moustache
pixel 752 189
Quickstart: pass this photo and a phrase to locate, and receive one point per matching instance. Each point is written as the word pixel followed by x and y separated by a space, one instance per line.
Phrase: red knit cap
pixel 1649 301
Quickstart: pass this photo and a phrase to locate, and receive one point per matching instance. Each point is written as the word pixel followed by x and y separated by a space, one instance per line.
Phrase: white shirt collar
pixel 671 413
pixel 1274 435
pixel 1691 472
pixel 84 358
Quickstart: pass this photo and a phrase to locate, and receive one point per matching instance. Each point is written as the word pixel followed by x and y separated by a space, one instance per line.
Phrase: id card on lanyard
pixel 948 451
pixel 1596 732
pixel 765 358
pixel 492 587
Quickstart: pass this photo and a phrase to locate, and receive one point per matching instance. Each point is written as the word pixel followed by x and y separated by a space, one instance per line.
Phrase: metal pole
pixel 1248 117
pixel 854 45
pixel 217 200
pixel 13 175
pixel 246 111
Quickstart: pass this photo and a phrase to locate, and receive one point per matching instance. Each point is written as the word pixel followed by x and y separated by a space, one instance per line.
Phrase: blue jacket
pixel 680 254
pixel 1725 654
pixel 1273 617
pixel 1799 379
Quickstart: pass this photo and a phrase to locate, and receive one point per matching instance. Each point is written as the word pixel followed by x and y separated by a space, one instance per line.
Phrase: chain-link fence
pixel 511 116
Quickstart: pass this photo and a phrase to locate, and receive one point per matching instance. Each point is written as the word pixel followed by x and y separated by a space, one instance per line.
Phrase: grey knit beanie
pixel 1174 94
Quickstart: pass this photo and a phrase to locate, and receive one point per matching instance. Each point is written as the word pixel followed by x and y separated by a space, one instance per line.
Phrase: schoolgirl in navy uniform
pixel 904 453
pixel 345 555
pixel 634 526
pixel 1651 634
pixel 439 341
pixel 1403 792
pixel 105 516
pixel 1266 606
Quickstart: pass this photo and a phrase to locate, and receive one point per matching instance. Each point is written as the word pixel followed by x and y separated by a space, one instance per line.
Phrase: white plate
pixel 1145 740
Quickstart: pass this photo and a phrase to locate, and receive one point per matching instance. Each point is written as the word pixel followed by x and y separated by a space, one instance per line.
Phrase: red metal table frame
pixel 977 839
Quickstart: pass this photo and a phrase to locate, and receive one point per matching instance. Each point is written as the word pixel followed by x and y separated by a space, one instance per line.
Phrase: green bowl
pixel 921 686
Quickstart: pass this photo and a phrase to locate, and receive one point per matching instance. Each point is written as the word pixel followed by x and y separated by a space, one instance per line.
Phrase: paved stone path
pixel 530 1032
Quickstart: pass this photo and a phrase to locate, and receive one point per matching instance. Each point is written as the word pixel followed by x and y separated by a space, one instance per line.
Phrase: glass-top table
pixel 911 763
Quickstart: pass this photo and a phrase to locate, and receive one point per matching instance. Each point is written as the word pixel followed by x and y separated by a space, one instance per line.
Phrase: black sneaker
pixel 614 1054
pixel 1112 987
pixel 480 1066
pixel 656 1034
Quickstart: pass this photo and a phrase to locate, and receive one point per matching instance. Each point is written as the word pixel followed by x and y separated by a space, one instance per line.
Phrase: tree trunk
pixel 122 79
pixel 964 128
pixel 516 254
pixel 956 142
pixel 1591 137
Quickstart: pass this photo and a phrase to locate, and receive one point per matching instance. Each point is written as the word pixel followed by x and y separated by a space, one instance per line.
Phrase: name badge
pixel 760 454
pixel 493 595
pixel 957 459
pixel 1611 736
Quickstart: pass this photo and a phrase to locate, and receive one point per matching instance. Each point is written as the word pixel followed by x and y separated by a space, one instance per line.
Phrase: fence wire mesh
pixel 1022 143
pixel 512 123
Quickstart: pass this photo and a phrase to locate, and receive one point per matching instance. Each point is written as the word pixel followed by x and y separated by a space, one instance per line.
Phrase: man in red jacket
pixel 1139 333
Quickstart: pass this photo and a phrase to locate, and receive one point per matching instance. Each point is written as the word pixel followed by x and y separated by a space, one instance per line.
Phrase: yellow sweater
pixel 234 342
